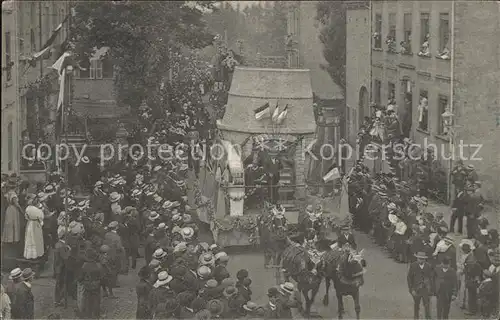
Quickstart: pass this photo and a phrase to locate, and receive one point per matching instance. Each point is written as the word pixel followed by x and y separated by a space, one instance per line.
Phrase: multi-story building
pixel 27 95
pixel 433 56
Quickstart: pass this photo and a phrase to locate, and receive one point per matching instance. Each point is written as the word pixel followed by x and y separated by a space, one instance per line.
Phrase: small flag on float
pixel 276 113
pixel 263 111
pixel 333 174
pixel 282 115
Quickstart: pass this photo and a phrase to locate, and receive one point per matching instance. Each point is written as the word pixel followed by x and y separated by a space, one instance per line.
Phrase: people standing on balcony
pixel 425 48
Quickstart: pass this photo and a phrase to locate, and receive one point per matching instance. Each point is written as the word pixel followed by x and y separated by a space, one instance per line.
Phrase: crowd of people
pixel 393 207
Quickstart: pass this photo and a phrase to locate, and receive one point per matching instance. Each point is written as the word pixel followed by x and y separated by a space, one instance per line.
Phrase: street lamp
pixel 448 116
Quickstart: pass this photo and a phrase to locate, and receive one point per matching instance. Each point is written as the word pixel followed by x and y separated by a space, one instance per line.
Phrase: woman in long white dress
pixel 33 246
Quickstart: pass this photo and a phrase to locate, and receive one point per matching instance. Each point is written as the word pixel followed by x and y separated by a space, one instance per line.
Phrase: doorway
pixel 407 110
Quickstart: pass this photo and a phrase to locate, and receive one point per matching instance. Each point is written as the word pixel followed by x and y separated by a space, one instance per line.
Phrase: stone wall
pixel 476 93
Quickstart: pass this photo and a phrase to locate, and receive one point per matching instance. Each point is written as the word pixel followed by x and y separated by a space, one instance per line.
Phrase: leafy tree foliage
pixel 143 37
pixel 332 16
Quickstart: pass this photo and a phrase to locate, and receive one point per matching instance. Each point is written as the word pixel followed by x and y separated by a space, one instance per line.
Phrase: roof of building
pixel 254 87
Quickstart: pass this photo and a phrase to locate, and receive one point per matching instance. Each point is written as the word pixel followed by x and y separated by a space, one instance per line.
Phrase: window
pixel 95 69
pixel 423 111
pixel 391 36
pixel 8 57
pixel 442 106
pixel 83 73
pixel 424 35
pixel 10 146
pixel 107 68
pixel 391 91
pixel 407 24
pixel 377 92
pixel 378 31
pixel 444 32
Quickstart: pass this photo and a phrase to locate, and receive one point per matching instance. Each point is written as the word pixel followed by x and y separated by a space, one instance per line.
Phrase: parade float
pixel 267 125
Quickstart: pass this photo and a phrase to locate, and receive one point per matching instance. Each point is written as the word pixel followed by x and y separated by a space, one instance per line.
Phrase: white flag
pixel 276 113
pixel 332 175
pixel 282 115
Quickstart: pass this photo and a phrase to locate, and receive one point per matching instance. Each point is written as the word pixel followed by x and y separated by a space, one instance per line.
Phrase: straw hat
pixel 180 247
pixel 15 273
pixel 159 254
pixel 162 226
pixel 288 287
pixel 153 215
pixel 204 271
pixel 206 259
pixel 230 292
pixel 219 255
pixel 211 283
pixel 186 218
pixel 250 306
pixel 27 274
pixel 114 197
pixel 163 279
pixel 187 233
pixel 167 204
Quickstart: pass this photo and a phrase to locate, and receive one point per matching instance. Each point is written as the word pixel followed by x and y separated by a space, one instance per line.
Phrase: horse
pixel 300 264
pixel 273 234
pixel 345 267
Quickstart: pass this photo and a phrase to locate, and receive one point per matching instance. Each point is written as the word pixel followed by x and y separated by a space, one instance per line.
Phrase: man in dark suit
pixel 24 297
pixel 420 283
pixel 61 254
pixel 114 242
pixel 446 288
pixel 345 236
pixel 271 309
pixel 472 270
pixel 273 168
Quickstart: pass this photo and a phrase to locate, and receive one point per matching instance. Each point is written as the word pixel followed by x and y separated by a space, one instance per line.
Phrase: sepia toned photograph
pixel 250 159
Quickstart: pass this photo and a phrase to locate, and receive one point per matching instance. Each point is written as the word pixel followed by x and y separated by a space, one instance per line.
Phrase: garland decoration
pixel 244 223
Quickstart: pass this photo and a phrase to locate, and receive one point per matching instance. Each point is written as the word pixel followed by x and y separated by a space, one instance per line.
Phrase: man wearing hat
pixel 473 209
pixel 161 292
pixel 272 310
pixel 114 242
pixel 420 284
pixel 220 271
pixel 446 287
pixel 116 209
pixel 486 295
pixel 151 244
pixel 13 285
pixel 472 274
pixel 288 299
pixel 90 279
pixel 61 255
pixel 232 302
pixel 211 290
pixel 143 290
pixel 24 299
pixel 110 272
pixel 345 236
pixel 216 308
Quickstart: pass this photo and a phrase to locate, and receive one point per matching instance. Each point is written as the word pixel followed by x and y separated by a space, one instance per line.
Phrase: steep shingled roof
pixel 253 87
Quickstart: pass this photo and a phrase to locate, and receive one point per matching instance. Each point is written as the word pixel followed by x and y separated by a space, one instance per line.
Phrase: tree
pixel 332 16
pixel 142 37
pixel 276 22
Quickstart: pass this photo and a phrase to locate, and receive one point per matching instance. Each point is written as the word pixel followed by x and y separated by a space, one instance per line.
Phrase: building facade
pixel 26 28
pixel 433 56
